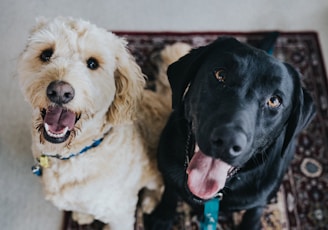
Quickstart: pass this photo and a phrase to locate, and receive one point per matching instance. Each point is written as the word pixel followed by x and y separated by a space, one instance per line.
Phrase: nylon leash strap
pixel 211 214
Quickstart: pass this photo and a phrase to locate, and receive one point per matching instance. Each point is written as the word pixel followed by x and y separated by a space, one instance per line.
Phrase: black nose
pixel 229 141
pixel 60 92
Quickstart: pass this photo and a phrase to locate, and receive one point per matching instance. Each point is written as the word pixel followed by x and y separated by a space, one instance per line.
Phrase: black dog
pixel 236 115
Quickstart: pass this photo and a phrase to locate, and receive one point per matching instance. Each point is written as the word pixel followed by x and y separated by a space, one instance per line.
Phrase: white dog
pixel 95 129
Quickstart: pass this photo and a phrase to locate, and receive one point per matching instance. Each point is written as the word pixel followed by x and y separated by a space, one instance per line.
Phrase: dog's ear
pixel 183 71
pixel 302 113
pixel 129 82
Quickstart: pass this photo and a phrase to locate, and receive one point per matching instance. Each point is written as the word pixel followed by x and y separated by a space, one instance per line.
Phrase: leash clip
pixel 219 195
pixel 37 169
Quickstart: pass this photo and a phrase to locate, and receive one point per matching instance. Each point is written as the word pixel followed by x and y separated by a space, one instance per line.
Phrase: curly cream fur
pixel 104 182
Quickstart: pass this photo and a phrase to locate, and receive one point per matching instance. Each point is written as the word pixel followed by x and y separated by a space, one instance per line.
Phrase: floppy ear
pixel 129 82
pixel 182 72
pixel 302 113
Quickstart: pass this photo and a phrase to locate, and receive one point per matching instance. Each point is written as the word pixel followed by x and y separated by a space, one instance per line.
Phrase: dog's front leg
pixel 162 217
pixel 252 219
pixel 82 218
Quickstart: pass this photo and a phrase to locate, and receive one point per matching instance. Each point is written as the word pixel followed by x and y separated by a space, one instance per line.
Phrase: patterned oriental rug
pixel 302 201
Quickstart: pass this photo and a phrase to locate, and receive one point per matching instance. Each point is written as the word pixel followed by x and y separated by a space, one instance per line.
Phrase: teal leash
pixel 211 213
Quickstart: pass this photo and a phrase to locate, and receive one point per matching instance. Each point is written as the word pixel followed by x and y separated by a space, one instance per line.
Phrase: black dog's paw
pixel 151 222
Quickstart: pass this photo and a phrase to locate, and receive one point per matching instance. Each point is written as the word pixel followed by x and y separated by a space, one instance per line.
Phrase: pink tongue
pixel 206 175
pixel 58 119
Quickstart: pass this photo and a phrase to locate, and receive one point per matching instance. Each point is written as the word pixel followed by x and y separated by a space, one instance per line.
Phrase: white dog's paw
pixel 82 218
pixel 150 199
pixel 148 205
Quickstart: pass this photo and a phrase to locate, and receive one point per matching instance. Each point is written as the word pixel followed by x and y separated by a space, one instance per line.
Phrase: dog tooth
pixel 46 126
pixel 55 135
pixel 65 131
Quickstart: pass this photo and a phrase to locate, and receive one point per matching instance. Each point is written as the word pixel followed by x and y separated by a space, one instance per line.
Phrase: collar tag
pixel 44 161
pixel 211 214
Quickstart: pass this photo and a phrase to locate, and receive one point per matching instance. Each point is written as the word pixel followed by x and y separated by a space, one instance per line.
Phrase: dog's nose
pixel 60 92
pixel 229 141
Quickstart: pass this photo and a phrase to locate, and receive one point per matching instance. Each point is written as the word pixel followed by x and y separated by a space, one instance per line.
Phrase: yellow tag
pixel 44 162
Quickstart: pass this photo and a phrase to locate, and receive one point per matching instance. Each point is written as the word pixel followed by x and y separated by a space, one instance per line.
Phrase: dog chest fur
pixel 73 71
pixel 64 181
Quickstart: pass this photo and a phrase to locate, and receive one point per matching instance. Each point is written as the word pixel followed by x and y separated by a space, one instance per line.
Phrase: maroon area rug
pixel 302 202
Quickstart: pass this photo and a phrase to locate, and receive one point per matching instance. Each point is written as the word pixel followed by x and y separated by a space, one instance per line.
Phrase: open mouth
pixel 206 176
pixel 58 123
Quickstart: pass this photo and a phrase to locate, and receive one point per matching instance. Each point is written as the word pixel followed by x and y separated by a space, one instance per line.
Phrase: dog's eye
pixel 46 55
pixel 220 74
pixel 92 63
pixel 274 102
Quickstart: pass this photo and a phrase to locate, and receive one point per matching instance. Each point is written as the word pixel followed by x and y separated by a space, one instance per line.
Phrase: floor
pixel 21 201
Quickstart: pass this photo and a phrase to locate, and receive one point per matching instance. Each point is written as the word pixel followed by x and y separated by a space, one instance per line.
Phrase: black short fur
pixel 216 113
